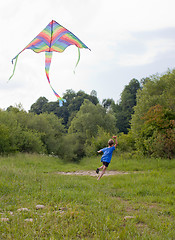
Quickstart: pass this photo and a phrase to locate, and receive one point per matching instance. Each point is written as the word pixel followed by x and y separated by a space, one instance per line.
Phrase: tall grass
pixel 138 205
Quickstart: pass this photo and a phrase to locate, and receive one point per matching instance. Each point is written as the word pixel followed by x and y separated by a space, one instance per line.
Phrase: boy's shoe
pixel 97 171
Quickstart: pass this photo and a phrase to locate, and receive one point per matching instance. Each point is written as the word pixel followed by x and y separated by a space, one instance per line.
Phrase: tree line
pixel 143 118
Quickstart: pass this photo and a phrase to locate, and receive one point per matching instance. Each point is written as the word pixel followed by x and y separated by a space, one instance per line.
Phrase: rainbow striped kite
pixel 54 38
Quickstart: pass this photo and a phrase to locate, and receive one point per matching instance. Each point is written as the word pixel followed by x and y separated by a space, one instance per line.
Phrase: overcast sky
pixel 128 39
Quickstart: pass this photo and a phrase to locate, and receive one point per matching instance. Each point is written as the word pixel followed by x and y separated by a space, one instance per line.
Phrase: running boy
pixel 107 155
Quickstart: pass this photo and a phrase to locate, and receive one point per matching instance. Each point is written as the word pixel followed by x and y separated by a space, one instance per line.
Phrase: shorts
pixel 106 164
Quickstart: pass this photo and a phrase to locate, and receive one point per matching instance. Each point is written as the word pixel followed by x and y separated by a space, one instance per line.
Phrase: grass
pixel 138 205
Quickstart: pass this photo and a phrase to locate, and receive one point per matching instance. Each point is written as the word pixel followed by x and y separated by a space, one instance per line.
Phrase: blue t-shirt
pixel 107 154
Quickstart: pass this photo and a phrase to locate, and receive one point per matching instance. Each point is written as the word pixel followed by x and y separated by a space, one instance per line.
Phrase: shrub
pixel 158 133
pixel 126 143
pixel 72 147
pixel 30 141
pixel 98 142
pixel 4 139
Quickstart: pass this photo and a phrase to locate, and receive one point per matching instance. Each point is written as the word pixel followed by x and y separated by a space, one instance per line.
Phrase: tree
pixel 158 91
pixel 124 109
pixel 29 132
pixel 4 139
pixel 84 126
pixel 70 107
pixel 158 132
pixel 40 106
pixel 93 93
pixel 17 137
pixel 107 103
pixel 89 118
pixel 48 126
pixel 128 96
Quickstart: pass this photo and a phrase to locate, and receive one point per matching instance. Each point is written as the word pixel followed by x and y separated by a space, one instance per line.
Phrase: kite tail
pixel 48 58
pixel 16 59
pixel 78 59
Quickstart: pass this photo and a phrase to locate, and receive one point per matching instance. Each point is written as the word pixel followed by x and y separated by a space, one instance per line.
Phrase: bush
pixel 98 142
pixel 4 139
pixel 72 147
pixel 126 143
pixel 30 141
pixel 158 133
pixel 27 132
pixel 153 121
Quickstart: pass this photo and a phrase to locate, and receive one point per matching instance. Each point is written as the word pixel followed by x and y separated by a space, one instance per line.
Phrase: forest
pixel 143 119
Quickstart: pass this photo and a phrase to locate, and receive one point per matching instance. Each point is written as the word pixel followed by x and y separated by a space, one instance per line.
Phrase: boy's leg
pixel 102 173
pixel 98 169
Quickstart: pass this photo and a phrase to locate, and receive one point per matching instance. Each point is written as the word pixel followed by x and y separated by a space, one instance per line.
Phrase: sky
pixel 128 39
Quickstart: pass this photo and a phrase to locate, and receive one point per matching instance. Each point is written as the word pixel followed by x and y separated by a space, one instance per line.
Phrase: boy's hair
pixel 110 142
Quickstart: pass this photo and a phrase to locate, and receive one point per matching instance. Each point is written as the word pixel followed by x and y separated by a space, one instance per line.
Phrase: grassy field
pixel 137 205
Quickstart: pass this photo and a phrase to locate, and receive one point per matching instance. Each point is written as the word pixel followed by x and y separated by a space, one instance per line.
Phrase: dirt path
pixel 91 173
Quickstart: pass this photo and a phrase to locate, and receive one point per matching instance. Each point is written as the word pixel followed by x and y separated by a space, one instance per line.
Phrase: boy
pixel 107 155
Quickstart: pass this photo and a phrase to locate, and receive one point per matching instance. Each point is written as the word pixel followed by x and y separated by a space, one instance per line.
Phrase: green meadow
pixel 137 205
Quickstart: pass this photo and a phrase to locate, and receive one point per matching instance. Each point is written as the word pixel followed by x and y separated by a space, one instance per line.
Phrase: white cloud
pixel 154 48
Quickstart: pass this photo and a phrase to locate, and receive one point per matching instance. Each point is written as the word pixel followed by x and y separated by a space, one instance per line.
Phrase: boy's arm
pixel 99 151
pixel 115 137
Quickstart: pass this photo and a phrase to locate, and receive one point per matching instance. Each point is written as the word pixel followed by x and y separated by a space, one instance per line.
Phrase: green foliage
pixel 152 125
pixel 18 137
pixel 11 131
pixel 124 109
pixel 72 147
pixel 27 132
pixel 126 143
pixel 86 125
pixel 40 106
pixel 48 127
pixel 45 132
pixel 4 139
pixel 89 118
pixel 51 130
pixel 70 107
pixel 158 90
pixel 158 132
pixel 107 103
pixel 97 142
pixel 29 141
pixel 83 128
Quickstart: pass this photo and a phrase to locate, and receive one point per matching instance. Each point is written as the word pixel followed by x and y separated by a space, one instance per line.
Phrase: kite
pixel 54 38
